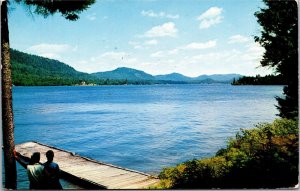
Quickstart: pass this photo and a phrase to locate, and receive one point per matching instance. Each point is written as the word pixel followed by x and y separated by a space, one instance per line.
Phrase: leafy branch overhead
pixel 279 34
pixel 68 9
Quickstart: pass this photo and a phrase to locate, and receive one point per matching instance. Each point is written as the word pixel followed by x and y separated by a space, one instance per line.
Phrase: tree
pixel 279 37
pixel 68 9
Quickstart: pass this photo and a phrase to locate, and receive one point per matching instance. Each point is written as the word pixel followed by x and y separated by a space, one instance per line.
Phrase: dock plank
pixel 89 170
pixel 130 182
pixel 141 185
pixel 120 179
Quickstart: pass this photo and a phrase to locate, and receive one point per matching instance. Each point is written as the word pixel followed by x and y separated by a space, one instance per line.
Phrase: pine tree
pixel 279 37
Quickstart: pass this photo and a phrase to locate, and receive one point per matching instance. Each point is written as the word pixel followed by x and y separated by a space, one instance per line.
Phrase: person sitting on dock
pixel 52 172
pixel 35 170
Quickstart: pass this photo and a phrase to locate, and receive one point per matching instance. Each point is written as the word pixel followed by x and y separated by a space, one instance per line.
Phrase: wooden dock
pixel 92 173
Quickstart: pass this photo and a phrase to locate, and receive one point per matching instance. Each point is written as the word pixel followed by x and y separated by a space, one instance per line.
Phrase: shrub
pixel 262 157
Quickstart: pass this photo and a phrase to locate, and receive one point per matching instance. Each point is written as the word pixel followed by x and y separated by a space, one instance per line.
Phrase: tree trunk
pixel 7 110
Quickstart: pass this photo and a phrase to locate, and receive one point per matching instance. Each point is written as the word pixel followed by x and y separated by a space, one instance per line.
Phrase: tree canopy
pixel 279 37
pixel 260 80
pixel 68 8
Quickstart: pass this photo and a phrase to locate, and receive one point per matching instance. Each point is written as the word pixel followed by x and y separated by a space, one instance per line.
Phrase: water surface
pixel 145 128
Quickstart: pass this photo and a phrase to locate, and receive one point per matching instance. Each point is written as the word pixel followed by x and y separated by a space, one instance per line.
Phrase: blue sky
pixel 191 37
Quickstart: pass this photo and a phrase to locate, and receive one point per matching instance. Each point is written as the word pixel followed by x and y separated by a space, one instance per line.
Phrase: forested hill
pixel 125 74
pixel 31 70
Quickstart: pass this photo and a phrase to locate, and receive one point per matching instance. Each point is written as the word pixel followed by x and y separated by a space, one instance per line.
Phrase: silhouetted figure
pixel 52 172
pixel 35 170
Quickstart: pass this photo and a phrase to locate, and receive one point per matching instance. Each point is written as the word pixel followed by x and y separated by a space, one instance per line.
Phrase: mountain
pixel 125 74
pixel 200 79
pixel 130 74
pixel 219 77
pixel 173 77
pixel 29 70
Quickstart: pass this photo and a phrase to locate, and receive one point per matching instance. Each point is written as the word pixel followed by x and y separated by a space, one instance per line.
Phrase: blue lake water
pixel 145 128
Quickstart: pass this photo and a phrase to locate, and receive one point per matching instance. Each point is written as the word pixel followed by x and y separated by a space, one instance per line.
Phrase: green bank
pixel 263 157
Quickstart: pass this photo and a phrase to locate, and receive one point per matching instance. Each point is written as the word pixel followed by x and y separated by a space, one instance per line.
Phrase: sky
pixel 191 37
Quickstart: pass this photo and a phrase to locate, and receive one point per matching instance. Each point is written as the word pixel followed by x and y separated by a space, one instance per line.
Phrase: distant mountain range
pixel 136 75
pixel 32 70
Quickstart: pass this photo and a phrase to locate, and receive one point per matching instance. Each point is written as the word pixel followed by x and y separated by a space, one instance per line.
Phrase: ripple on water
pixel 144 128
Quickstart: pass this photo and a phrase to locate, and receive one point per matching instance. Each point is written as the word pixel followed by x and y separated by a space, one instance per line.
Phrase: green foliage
pixel 68 9
pixel 279 37
pixel 263 157
pixel 259 80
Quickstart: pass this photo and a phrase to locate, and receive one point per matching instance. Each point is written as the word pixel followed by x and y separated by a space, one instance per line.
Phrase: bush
pixel 263 157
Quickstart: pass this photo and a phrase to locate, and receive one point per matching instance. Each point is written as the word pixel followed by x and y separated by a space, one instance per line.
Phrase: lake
pixel 145 128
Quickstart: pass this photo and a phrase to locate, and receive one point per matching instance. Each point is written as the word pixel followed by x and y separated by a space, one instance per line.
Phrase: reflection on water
pixel 145 128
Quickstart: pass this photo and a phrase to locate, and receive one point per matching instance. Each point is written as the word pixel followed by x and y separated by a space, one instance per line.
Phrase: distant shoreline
pixel 144 85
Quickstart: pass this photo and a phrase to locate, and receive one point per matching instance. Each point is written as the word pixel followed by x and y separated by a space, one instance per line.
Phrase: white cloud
pixel 174 51
pixel 165 30
pixel 114 55
pixel 110 57
pixel 210 22
pixel 136 45
pixel 183 59
pixel 143 45
pixel 255 48
pixel 237 39
pixel 211 13
pixel 133 43
pixel 51 50
pixel 151 13
pixel 190 46
pixel 91 17
pixel 210 17
pixel 161 54
pixel 106 61
pixel 245 60
pixel 254 52
pixel 158 54
pixel 151 42
pixel 200 45
pixel 115 58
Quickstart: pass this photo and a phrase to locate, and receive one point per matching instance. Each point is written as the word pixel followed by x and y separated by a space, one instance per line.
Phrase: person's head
pixel 35 157
pixel 50 155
